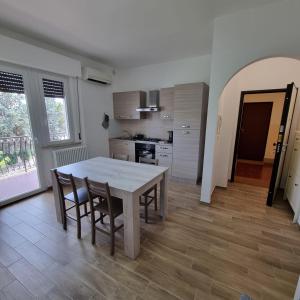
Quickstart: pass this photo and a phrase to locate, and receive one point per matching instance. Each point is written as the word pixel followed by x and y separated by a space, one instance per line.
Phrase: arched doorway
pixel 270 73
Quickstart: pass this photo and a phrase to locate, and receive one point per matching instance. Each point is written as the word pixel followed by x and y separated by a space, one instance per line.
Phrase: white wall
pixel 95 101
pixel 163 75
pixel 239 39
pixel 24 54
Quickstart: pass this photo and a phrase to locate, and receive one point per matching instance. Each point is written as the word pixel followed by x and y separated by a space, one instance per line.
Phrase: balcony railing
pixel 16 155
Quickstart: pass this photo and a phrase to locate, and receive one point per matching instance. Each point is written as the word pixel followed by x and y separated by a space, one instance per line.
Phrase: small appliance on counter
pixel 170 140
pixel 139 137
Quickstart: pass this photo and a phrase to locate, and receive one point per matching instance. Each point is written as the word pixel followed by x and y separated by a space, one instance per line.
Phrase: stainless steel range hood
pixel 152 104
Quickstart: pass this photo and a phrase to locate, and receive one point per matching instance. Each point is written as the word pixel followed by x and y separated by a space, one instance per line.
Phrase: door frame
pixel 281 136
pixel 34 126
pixel 239 123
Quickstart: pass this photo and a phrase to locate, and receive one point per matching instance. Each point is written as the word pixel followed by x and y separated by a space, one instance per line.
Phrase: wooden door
pixel 254 130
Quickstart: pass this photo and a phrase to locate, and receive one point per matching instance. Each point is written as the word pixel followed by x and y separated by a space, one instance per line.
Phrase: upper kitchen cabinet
pixel 167 103
pixel 189 103
pixel 126 103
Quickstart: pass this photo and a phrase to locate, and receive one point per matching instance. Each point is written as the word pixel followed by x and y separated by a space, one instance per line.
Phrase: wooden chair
pixel 78 197
pixel 146 199
pixel 120 156
pixel 107 206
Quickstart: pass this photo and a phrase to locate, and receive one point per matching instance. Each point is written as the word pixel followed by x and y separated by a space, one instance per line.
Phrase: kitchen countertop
pixel 139 141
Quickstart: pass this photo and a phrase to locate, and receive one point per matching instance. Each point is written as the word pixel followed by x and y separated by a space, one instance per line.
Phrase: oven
pixel 144 150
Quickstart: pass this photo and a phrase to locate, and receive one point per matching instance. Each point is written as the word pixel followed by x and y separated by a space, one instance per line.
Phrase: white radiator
pixel 68 156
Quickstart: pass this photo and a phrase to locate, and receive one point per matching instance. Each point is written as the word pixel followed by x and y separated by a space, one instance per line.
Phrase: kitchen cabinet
pixel 292 189
pixel 126 103
pixel 190 112
pixel 122 147
pixel 167 103
pixel 164 154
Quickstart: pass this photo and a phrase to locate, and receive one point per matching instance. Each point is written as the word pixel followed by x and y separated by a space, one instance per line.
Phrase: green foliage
pixel 4 160
pixel 14 119
pixel 56 116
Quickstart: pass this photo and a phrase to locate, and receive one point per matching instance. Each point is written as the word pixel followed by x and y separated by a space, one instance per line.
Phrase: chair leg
pixel 64 216
pixel 85 209
pixel 65 221
pixel 78 222
pixel 93 234
pixel 155 198
pixel 146 210
pixel 101 218
pixel 112 236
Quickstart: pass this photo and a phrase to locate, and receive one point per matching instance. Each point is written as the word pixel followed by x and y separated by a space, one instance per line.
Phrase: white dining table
pixel 128 181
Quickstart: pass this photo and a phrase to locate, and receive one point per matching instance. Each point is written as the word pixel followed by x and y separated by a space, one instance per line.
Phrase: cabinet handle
pixel 186 132
pixel 185 126
pixel 161 155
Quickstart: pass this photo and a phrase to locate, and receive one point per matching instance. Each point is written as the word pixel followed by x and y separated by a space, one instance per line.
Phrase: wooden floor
pixel 253 174
pixel 237 245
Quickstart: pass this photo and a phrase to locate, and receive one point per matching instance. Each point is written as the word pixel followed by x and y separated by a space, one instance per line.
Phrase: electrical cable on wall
pixel 78 102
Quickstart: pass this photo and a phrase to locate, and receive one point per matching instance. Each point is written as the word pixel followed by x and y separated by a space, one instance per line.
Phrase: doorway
pixel 19 176
pixel 256 139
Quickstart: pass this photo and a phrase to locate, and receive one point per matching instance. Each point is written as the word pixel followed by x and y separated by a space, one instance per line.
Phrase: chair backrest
pixel 120 156
pixel 98 190
pixel 149 161
pixel 64 180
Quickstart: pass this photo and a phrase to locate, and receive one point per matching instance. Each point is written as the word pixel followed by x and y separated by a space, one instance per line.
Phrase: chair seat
pixel 82 196
pixel 117 206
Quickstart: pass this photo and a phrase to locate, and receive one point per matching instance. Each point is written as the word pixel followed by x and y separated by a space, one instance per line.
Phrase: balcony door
pixel 19 150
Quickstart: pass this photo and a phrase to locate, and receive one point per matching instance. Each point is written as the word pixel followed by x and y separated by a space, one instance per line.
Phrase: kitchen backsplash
pixel 153 126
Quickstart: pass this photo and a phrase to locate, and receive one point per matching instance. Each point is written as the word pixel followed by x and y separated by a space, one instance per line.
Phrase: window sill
pixel 55 145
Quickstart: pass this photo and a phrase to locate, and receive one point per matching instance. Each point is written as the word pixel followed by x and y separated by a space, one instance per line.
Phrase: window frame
pixel 46 136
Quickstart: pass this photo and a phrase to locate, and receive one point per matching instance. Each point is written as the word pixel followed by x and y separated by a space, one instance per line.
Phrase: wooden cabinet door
pixel 188 105
pixel 123 148
pixel 186 145
pixel 184 168
pixel 131 151
pixel 167 103
pixel 119 147
pixel 126 103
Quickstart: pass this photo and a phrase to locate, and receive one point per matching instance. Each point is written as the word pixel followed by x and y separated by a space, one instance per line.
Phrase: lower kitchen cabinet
pixel 122 147
pixel 164 154
pixel 186 154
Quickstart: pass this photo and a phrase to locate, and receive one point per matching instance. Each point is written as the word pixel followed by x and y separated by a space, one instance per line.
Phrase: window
pixel 56 110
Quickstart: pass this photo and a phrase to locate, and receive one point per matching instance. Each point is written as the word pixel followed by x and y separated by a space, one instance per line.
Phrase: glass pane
pixel 18 173
pixel 57 119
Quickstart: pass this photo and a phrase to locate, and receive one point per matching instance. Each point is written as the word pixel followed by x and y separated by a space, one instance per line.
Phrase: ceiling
pixel 122 33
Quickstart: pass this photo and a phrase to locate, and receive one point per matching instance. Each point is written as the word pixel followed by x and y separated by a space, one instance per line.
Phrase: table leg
pixel 131 224
pixel 164 196
pixel 57 200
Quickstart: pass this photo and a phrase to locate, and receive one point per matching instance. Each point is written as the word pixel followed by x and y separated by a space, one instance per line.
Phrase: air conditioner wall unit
pixel 98 76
